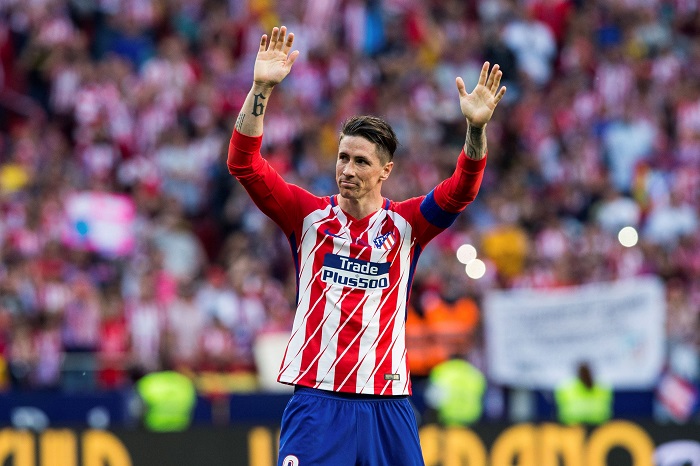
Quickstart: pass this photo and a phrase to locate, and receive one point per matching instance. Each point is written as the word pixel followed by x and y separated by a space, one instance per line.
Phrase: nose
pixel 349 169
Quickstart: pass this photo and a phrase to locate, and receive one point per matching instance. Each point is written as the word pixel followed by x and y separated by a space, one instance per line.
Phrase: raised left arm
pixel 478 107
pixel 452 195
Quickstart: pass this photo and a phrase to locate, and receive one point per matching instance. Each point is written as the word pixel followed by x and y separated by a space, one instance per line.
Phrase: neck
pixel 360 209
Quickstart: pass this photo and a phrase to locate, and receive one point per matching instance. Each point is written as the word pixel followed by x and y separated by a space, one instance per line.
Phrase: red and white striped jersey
pixel 353 275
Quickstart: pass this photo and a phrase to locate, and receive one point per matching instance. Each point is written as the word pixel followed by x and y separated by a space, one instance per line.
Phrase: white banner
pixel 536 338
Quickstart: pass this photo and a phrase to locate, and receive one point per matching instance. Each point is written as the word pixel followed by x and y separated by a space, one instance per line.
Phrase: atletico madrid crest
pixel 385 241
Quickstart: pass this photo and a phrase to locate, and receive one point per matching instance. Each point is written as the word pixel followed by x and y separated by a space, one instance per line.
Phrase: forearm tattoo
pixel 239 121
pixel 258 107
pixel 476 143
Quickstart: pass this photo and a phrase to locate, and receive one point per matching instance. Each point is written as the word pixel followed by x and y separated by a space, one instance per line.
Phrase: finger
pixel 288 45
pixel 281 39
pixel 263 43
pixel 460 87
pixel 484 73
pixel 500 95
pixel 489 79
pixel 273 38
pixel 292 58
pixel 496 81
pixel 492 78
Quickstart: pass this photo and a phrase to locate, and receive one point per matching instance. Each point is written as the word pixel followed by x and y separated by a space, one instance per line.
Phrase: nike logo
pixel 359 241
pixel 328 233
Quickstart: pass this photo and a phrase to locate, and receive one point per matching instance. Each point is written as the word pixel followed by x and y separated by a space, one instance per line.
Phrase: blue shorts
pixel 323 428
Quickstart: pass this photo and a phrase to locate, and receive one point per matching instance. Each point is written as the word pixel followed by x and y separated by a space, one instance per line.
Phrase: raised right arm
pixel 265 186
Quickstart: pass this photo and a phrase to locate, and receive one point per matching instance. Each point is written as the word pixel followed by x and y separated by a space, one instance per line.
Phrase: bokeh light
pixel 628 237
pixel 476 269
pixel 466 253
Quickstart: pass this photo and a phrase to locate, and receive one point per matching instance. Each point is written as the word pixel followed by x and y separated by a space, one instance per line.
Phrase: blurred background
pixel 126 247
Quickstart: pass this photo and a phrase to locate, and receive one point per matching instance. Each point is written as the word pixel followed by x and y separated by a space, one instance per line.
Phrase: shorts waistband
pixel 347 396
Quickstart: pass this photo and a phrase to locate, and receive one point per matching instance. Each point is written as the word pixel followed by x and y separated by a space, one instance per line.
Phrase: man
pixel 168 400
pixel 355 253
pixel 582 400
pixel 455 391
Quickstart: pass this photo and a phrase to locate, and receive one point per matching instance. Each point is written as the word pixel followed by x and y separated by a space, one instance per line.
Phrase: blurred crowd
pixel 125 244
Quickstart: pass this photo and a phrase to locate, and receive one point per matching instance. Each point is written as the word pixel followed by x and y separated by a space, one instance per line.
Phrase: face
pixel 359 171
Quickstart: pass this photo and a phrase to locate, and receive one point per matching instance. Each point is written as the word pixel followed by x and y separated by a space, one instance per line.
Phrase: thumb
pixel 292 58
pixel 460 87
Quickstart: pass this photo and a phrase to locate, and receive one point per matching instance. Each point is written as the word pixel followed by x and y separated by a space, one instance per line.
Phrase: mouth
pixel 346 184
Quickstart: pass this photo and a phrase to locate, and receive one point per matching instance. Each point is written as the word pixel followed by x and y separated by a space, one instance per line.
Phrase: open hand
pixel 274 61
pixel 478 106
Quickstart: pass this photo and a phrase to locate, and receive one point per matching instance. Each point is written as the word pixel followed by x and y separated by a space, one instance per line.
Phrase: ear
pixel 386 171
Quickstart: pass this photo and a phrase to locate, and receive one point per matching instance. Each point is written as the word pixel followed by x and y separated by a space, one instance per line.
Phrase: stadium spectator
pixel 533 43
pixel 146 321
pixel 185 321
pixel 616 211
pixel 668 222
pixel 113 355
